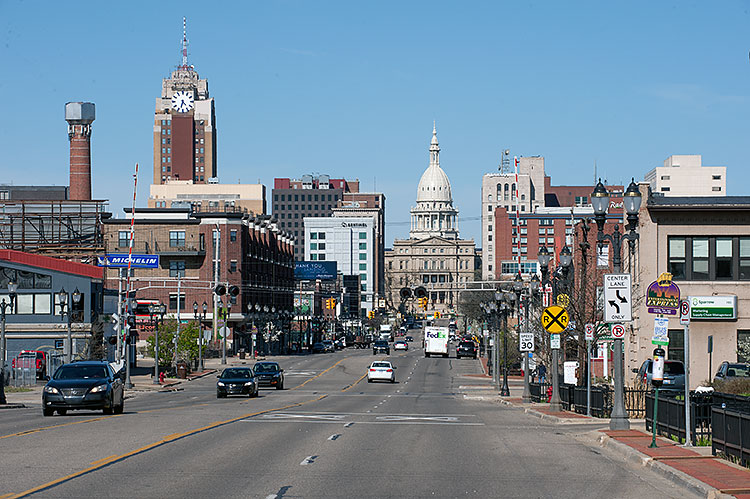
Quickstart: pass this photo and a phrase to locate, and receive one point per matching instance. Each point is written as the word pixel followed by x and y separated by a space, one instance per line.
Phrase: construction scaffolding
pixel 64 229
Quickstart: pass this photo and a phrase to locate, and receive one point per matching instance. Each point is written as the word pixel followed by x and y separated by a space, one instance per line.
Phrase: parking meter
pixel 657 369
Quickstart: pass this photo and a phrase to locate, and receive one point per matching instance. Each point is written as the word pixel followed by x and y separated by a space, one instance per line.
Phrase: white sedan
pixel 401 345
pixel 381 370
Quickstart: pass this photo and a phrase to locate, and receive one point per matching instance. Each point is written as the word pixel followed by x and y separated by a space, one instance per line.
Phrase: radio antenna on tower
pixel 184 44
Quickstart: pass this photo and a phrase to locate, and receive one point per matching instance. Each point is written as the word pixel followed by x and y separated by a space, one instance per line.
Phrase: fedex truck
pixel 435 341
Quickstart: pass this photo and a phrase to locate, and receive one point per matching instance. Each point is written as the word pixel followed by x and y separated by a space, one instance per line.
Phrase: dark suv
pixel 466 349
pixel 381 346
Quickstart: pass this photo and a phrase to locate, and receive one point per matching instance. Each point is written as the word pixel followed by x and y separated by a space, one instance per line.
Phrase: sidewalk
pixel 692 467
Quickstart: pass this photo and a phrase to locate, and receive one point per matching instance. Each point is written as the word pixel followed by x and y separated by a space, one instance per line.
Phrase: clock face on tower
pixel 182 101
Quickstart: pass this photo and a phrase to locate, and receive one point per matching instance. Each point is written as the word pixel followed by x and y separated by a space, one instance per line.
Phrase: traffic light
pixel 437 314
pixel 331 303
pixel 423 302
pixel 371 314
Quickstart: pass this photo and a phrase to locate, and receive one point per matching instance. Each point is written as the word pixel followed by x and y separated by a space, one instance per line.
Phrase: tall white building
pixel 498 190
pixel 685 175
pixel 349 241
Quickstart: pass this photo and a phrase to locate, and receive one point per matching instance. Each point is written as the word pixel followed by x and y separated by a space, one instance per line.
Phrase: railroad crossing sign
pixel 618 331
pixel 555 319
pixel 617 302
pixel 563 300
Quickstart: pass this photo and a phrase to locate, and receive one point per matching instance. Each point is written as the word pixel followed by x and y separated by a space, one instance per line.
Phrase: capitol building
pixel 434 256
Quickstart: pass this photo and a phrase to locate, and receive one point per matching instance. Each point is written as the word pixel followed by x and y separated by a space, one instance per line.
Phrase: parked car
pixel 466 349
pixel 36 357
pixel 381 346
pixel 381 370
pixel 329 346
pixel 674 375
pixel 237 381
pixel 401 345
pixel 732 370
pixel 83 385
pixel 269 374
pixel 318 347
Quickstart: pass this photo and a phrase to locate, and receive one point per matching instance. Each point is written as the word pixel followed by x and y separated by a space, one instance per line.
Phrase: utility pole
pixel 217 238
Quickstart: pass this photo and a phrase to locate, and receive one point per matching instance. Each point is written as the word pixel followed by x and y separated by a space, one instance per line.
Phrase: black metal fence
pixel 730 434
pixel 573 398
pixel 539 391
pixel 670 421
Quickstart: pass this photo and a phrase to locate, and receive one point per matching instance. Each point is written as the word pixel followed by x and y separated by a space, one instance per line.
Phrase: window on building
pixel 321 235
pixel 233 266
pixel 489 228
pixel 173 302
pixel 715 177
pixel 724 258
pixel 665 177
pixel 676 348
pixel 363 246
pixel 313 256
pixel 743 338
pixel 363 256
pixel 364 287
pixel 363 235
pixel 665 189
pixel 177 268
pixel 176 238
pixel 363 266
pixel 321 246
pixel 700 258
pixel 123 237
pixel 313 246
pixel 716 189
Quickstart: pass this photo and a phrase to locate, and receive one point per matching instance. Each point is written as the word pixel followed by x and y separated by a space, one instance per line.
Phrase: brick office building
pixel 254 255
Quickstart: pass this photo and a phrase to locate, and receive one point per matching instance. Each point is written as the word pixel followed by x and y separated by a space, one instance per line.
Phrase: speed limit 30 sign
pixel 526 342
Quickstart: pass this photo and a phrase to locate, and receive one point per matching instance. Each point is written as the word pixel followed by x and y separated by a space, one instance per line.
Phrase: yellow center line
pixel 353 384
pixel 167 439
pixel 317 375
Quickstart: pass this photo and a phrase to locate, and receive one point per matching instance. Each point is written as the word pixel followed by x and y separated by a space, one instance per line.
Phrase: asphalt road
pixel 329 434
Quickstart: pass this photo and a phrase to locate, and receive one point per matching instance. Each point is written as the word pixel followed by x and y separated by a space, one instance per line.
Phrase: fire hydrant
pixel 161 377
pixel 549 394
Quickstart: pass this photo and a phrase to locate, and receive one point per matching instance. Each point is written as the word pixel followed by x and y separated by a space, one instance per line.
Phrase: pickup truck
pixel 37 358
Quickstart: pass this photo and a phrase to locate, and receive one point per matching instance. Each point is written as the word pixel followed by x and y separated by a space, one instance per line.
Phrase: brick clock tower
pixel 184 126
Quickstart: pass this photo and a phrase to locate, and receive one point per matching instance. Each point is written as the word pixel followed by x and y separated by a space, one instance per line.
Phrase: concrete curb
pixel 12 406
pixel 628 454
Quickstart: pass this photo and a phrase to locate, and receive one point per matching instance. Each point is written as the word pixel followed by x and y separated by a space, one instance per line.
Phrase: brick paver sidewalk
pixel 710 470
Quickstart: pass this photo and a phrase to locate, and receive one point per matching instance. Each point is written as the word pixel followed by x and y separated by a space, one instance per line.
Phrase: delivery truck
pixel 435 341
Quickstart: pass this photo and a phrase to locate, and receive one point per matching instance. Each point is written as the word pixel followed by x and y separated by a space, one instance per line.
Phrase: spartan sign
pixel 555 319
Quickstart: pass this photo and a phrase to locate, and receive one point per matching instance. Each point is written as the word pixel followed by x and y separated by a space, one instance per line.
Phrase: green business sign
pixel 713 307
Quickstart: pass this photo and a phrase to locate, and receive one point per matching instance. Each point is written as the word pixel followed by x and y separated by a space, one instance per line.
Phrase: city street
pixel 329 434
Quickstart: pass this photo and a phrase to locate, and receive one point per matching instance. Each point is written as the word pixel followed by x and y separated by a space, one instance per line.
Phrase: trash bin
pixel 242 353
pixel 182 370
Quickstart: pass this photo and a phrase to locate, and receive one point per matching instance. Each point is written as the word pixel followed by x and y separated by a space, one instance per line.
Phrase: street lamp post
pixel 12 286
pixel 154 311
pixel 566 259
pixel 197 316
pixel 632 201
pixel 525 298
pixel 506 307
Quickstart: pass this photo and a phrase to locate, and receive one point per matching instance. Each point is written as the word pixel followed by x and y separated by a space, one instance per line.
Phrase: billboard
pixel 121 261
pixel 310 271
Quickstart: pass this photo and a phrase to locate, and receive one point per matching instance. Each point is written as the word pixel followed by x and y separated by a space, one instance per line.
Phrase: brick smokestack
pixel 79 116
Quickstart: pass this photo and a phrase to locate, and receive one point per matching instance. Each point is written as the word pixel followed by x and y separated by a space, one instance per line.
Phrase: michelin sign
pixel 136 261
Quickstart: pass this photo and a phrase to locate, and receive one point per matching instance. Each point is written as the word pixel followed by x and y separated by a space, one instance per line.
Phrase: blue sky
pixel 352 88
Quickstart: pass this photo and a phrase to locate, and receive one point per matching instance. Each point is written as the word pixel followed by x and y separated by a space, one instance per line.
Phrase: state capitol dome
pixel 434 214
pixel 434 184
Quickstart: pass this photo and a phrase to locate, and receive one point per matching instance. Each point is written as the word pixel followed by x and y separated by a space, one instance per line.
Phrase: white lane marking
pixel 334 436
pixel 444 419
pixel 271 496
pixel 307 460
pixel 281 415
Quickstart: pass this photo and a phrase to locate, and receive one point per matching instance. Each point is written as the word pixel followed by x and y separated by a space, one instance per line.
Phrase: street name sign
pixel 617 298
pixel 526 342
pixel 555 319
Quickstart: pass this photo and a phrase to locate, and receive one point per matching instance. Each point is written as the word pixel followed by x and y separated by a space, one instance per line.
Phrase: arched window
pixel 506 194
pixel 513 192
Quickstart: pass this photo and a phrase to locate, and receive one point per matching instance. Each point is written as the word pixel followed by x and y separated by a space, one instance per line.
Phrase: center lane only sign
pixel 617 298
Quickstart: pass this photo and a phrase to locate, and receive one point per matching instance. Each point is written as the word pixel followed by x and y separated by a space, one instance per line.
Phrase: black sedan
pixel 269 374
pixel 83 385
pixel 381 346
pixel 237 381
